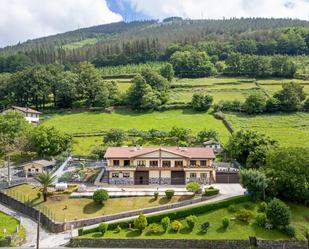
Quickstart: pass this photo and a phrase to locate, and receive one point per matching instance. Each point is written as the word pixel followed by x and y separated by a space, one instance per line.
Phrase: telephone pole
pixel 38 231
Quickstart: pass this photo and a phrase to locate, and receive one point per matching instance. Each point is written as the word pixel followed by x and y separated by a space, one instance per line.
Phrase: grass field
pixel 236 230
pixel 61 207
pixel 289 129
pixel 10 224
pixel 79 44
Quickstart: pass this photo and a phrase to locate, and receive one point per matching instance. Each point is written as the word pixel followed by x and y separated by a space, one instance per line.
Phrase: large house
pixel 159 165
pixel 31 115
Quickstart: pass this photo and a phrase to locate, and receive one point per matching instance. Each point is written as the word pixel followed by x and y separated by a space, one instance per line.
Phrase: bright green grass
pixel 236 230
pixel 82 146
pixel 9 223
pixel 288 129
pixel 123 87
pixel 126 119
pixel 209 81
pixel 79 44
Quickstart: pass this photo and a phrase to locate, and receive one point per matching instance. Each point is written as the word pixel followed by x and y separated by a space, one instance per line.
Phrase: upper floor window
pixel 193 163
pixel 166 163
pixel 178 163
pixel 141 163
pixel 203 162
pixel 153 163
pixel 116 162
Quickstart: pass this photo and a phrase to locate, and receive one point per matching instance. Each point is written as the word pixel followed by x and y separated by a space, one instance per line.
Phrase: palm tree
pixel 45 179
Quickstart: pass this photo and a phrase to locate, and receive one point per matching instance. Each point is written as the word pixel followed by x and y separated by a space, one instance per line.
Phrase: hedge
pixel 181 213
pixel 211 191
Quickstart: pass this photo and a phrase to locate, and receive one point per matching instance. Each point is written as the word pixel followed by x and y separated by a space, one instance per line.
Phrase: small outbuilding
pixel 215 145
pixel 31 115
pixel 38 166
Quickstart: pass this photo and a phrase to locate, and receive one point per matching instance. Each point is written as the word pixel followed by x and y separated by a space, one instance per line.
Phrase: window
pixel 126 162
pixel 192 175
pixel 116 162
pixel 29 170
pixel 178 163
pixel 166 163
pixel 193 163
pixel 141 163
pixel 115 175
pixel 203 162
pixel 126 175
pixel 36 170
pixel 203 175
pixel 153 163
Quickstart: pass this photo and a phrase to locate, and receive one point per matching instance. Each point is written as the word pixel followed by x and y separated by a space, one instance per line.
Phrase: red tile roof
pixel 25 110
pixel 188 152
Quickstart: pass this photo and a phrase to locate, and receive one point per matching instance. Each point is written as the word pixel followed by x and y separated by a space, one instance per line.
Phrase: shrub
pixel 262 206
pixel 211 191
pixel 154 228
pixel 103 228
pixel 38 195
pixel 118 229
pixel 140 222
pixel 80 232
pixel 244 215
pixel 289 231
pixel 100 195
pixel 156 195
pixel 191 221
pixel 205 226
pixel 225 222
pixel 176 225
pixel 169 193
pixel 165 223
pixel 232 208
pixel 248 206
pixel 193 187
pixel 261 220
pixel 278 213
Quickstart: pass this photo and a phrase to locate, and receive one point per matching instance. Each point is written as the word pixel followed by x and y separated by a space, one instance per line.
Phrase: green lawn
pixel 236 230
pixel 61 207
pixel 288 129
pixel 10 224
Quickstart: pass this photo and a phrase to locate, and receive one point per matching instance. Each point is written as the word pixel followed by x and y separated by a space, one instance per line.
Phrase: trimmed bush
pixel 193 187
pixel 262 207
pixel 156 195
pixel 225 222
pixel 165 223
pixel 290 231
pixel 118 229
pixel 80 232
pixel 140 222
pixel 169 193
pixel 261 220
pixel 191 221
pixel 205 226
pixel 100 195
pixel 232 208
pixel 103 228
pixel 278 213
pixel 176 226
pixel 244 215
pixel 211 191
pixel 154 228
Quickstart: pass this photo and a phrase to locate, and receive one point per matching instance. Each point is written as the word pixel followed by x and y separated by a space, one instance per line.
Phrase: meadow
pixel 10 224
pixel 289 129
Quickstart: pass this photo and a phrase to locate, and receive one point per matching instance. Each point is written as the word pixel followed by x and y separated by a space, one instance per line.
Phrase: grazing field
pixel 236 230
pixel 60 207
pixel 289 129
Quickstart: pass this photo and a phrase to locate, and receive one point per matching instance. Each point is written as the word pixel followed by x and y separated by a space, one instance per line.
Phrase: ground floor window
pixel 203 162
pixel 153 163
pixel 126 175
pixel 203 175
pixel 178 163
pixel 115 175
pixel 116 162
pixel 166 163
pixel 192 175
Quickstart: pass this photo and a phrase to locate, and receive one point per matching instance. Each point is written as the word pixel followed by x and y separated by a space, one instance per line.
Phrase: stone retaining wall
pixel 183 243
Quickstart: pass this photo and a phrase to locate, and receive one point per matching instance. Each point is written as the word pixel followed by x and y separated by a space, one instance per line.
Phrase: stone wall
pixel 183 243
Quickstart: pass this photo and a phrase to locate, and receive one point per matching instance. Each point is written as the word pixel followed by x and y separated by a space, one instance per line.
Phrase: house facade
pixel 36 167
pixel 31 115
pixel 159 165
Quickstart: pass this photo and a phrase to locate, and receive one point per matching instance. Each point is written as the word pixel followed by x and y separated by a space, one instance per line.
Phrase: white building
pixel 31 115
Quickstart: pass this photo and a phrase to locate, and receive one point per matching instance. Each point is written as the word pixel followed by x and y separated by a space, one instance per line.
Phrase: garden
pixel 10 226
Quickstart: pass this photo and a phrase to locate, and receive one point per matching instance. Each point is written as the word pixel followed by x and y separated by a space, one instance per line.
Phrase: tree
pixel 115 137
pixel 193 187
pixel 287 170
pixel 255 103
pixel 278 213
pixel 45 179
pixel 254 181
pixel 290 97
pixel 191 221
pixel 201 102
pixel 306 104
pixel 165 223
pixel 206 135
pixel 100 195
pixel 102 228
pixel 140 222
pixel 167 71
pixel 66 92
pixel 245 144
pixel 137 91
pixel 180 135
pixel 272 105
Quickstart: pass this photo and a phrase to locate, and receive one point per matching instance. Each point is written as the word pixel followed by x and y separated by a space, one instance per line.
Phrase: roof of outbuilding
pixel 188 152
pixel 26 109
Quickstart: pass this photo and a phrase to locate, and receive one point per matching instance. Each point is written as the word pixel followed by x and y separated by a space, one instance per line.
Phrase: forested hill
pixel 147 40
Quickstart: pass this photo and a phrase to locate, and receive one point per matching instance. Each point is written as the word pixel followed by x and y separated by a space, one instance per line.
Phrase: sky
pixel 21 20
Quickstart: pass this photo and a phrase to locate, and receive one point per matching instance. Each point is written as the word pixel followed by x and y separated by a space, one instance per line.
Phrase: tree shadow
pixel 185 230
pixel 92 207
pixel 148 233
pixel 133 233
pixel 96 235
pixel 164 200
pixel 152 200
pixel 221 230
pixel 186 197
pixel 201 232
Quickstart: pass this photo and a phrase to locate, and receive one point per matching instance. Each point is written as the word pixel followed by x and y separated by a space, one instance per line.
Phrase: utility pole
pixel 38 231
pixel 9 169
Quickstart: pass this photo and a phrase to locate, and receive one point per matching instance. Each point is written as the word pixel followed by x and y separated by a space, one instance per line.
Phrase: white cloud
pixel 196 9
pixel 26 19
